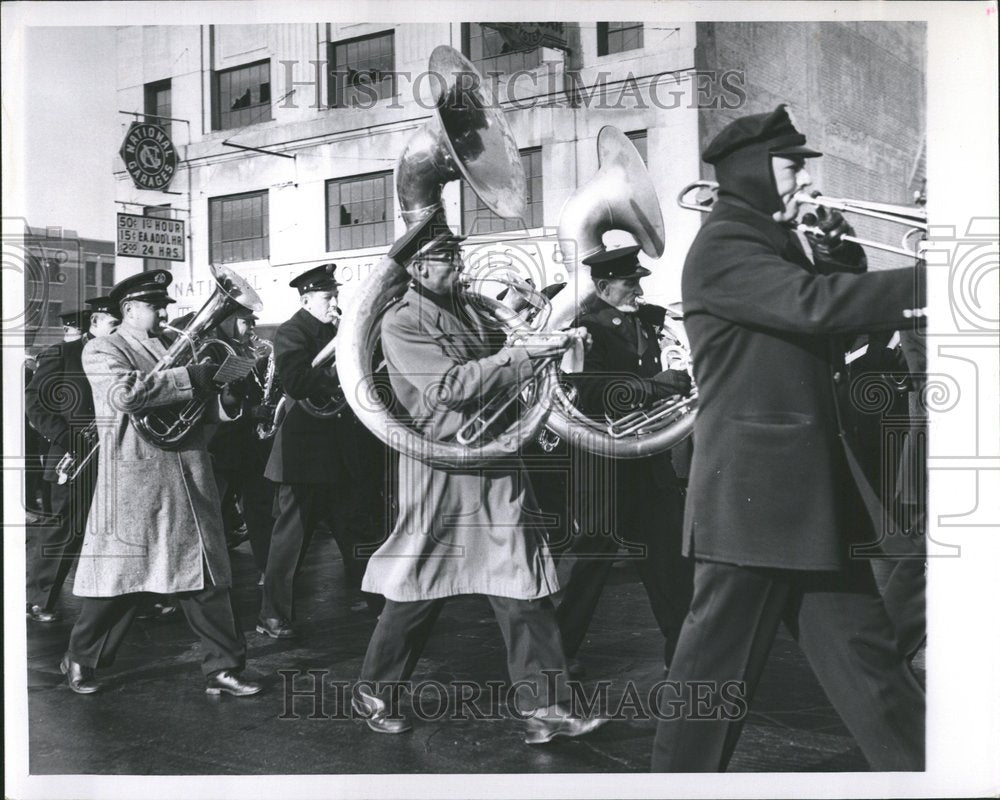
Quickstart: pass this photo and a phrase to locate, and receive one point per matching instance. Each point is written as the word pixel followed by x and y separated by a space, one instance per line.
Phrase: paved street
pixel 154 718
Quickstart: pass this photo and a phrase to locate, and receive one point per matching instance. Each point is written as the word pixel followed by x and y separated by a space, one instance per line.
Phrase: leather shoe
pixel 373 711
pixel 229 682
pixel 80 678
pixel 39 614
pixel 158 611
pixel 553 721
pixel 275 627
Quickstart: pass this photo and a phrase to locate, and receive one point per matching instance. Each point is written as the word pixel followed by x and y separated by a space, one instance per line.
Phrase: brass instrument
pixel 336 402
pixel 913 217
pixel 271 397
pixel 170 426
pixel 72 464
pixel 620 196
pixel 468 138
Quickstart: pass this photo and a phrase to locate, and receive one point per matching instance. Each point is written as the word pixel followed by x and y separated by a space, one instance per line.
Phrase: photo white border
pixel 963 721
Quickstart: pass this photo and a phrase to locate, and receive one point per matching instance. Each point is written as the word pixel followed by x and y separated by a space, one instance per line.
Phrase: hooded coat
pixel 774 480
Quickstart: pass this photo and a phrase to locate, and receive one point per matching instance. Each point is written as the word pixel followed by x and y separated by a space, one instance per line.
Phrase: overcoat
pixel 308 449
pixel 156 524
pixel 459 531
pixel 774 480
pixel 58 400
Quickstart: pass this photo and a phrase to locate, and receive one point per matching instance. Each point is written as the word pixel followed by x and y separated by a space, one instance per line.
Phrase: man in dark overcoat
pixel 635 504
pixel 314 460
pixel 155 524
pixel 459 531
pixel 776 495
pixel 60 406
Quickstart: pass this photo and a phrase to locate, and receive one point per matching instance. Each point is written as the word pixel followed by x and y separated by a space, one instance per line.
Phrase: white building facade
pixel 288 136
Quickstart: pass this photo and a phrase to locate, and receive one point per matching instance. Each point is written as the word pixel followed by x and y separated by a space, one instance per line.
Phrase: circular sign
pixel 149 155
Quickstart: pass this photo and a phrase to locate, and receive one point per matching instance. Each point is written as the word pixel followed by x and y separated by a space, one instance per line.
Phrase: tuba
pixel 468 138
pixel 620 196
pixel 333 405
pixel 168 427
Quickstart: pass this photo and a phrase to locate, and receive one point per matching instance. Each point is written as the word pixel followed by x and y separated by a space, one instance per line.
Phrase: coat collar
pixel 782 237
pixel 138 338
pixel 310 323
pixel 441 322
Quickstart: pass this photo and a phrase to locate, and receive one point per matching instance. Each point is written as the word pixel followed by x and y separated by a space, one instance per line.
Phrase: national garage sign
pixel 149 156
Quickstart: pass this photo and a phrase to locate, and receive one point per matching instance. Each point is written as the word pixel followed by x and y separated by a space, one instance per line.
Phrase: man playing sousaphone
pixel 459 531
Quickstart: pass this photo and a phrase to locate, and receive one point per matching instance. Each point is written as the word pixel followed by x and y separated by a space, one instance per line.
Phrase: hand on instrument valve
pixel 830 246
pixel 201 377
pixel 232 396
pixel 671 382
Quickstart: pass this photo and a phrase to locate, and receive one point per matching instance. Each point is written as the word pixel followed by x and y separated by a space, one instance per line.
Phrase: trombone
pixel 914 217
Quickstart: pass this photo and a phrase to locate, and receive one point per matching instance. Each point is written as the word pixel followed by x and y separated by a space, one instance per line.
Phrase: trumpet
pixel 914 217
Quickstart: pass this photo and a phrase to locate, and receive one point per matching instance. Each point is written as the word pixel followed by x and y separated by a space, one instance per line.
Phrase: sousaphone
pixel 620 196
pixel 467 138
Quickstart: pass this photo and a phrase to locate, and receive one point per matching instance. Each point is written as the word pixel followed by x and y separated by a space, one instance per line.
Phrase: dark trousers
pixel 841 625
pixel 257 496
pixel 529 630
pixel 104 621
pixel 301 507
pixel 55 546
pixel 645 518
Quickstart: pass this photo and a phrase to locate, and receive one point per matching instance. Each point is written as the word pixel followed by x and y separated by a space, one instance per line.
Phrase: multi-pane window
pixel 99 276
pixel 359 212
pixel 241 96
pixel 157 103
pixel 238 227
pixel 55 309
pixel 477 217
pixel 617 37
pixel 369 63
pixel 487 49
pixel 162 212
pixel 638 138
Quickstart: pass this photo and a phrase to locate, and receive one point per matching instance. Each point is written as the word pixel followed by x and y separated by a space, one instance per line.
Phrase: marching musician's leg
pixel 593 556
pixel 535 655
pixel 96 636
pixel 47 541
pixel 845 632
pixel 726 638
pixel 291 535
pixel 395 647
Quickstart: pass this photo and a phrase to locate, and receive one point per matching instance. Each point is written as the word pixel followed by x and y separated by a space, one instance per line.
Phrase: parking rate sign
pixel 150 237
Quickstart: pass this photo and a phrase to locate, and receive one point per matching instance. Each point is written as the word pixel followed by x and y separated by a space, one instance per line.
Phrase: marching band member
pixel 634 502
pixel 60 406
pixel 238 456
pixel 458 531
pixel 775 496
pixel 315 461
pixel 155 524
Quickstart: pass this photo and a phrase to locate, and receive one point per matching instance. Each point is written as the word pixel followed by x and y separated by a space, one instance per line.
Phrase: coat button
pixel 837 377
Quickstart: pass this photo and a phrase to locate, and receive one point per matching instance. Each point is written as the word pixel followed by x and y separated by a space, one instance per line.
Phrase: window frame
pixel 266 227
pixel 217 112
pixel 469 227
pixel 334 86
pixel 149 105
pixel 390 212
pixel 488 64
pixel 603 42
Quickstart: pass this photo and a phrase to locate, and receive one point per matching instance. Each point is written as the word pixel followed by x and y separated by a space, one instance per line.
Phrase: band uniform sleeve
pixel 124 387
pixel 293 364
pixel 42 396
pixel 738 276
pixel 437 376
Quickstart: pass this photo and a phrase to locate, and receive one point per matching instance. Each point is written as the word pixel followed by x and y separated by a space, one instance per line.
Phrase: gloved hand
pixel 831 246
pixel 201 377
pixel 671 382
